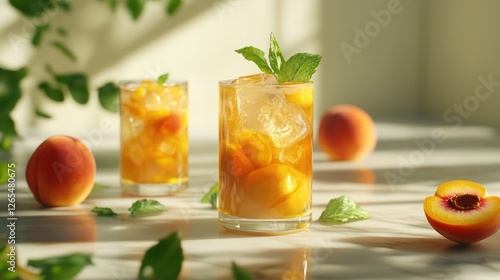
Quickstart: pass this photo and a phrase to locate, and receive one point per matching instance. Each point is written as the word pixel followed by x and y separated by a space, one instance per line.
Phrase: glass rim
pixel 230 83
pixel 132 83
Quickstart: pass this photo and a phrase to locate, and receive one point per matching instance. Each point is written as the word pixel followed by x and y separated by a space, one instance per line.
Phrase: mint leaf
pixel 63 267
pixel 162 78
pixel 146 206
pixel 239 273
pixel 343 209
pixel 257 56
pixel 212 196
pixel 299 68
pixel 108 97
pixel 104 211
pixel 276 58
pixel 163 260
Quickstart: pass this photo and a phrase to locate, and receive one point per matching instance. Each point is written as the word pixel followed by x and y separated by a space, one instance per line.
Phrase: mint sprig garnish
pixel 162 78
pixel 298 68
pixel 341 210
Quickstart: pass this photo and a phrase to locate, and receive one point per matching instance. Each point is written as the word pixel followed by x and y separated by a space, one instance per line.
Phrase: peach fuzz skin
pixel 61 172
pixel 479 220
pixel 347 132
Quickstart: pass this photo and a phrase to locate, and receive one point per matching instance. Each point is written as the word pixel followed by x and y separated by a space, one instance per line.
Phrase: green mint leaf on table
pixel 163 260
pixel 63 267
pixel 172 6
pixel 62 47
pixel 104 211
pixel 146 206
pixel 343 209
pixel 54 93
pixel 239 273
pixel 212 196
pixel 108 97
pixel 162 78
pixel 298 68
pixel 257 56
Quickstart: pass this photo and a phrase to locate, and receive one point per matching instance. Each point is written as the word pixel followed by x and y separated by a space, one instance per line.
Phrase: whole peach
pixel 61 171
pixel 347 132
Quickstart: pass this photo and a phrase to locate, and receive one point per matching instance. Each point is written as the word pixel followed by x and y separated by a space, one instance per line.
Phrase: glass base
pixel 157 189
pixel 265 226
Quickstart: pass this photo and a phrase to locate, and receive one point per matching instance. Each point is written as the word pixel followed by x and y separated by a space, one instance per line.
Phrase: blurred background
pixel 401 61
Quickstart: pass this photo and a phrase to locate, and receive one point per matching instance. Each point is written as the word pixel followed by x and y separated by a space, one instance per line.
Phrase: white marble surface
pixel 397 243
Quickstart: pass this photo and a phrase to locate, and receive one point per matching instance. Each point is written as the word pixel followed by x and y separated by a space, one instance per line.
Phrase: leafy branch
pixel 60 84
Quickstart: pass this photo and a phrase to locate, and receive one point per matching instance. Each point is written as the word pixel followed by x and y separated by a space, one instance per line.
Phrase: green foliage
pixel 38 33
pixel 239 273
pixel 135 8
pixel 75 83
pixel 172 6
pixel 163 260
pixel 61 268
pixel 212 196
pixel 108 96
pixel 10 93
pixel 341 210
pixel 104 211
pixel 146 206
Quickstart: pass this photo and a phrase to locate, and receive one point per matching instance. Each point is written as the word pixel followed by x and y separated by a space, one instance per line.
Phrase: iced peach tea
pixel 154 138
pixel 265 154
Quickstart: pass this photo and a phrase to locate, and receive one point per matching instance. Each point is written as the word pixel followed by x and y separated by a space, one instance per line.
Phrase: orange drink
pixel 154 137
pixel 265 154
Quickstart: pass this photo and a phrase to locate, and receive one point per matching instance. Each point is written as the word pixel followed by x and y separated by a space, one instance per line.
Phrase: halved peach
pixel 462 211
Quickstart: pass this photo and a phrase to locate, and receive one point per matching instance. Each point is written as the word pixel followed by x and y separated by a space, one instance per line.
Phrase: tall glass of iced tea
pixel 265 154
pixel 154 137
